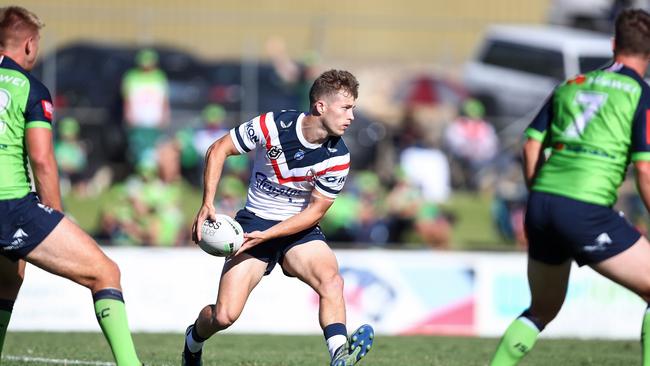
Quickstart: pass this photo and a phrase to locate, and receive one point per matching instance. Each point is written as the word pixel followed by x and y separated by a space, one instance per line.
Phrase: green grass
pixel 261 350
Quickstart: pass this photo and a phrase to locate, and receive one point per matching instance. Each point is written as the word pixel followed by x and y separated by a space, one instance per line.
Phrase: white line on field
pixel 55 361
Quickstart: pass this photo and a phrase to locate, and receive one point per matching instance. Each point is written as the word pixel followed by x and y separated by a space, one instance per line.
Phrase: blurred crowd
pixel 403 173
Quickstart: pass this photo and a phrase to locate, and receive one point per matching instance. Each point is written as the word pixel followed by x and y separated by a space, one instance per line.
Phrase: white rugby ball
pixel 222 237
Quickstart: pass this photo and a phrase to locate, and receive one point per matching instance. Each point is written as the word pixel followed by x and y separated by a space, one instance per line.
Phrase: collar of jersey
pixel 301 137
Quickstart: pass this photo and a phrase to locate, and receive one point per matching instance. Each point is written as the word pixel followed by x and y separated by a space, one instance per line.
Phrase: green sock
pixel 111 315
pixel 645 337
pixel 518 339
pixel 5 315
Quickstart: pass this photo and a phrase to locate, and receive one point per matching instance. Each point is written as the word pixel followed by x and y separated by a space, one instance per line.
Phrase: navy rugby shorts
pixel 24 224
pixel 560 228
pixel 273 251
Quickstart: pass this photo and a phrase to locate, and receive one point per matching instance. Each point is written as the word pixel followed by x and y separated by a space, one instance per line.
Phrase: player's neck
pixel 634 62
pixel 314 130
pixel 15 57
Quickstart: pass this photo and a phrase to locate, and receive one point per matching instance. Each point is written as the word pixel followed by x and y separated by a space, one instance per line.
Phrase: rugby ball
pixel 222 237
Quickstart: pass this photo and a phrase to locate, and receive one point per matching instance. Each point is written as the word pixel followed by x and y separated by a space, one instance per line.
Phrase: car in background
pixel 516 66
pixel 596 15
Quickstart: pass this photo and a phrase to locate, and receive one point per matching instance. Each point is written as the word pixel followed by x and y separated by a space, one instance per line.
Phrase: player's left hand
pixel 252 239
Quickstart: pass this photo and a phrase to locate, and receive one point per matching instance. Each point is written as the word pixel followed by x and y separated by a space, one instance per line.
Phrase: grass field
pixel 259 350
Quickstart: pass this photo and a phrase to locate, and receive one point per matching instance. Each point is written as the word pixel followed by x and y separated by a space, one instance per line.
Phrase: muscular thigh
pixel 629 268
pixel 69 252
pixel 310 262
pixel 239 277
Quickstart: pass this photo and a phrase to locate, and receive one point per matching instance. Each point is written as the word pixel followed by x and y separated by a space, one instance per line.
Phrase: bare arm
pixel 40 150
pixel 310 216
pixel 215 158
pixel 533 159
pixel 642 174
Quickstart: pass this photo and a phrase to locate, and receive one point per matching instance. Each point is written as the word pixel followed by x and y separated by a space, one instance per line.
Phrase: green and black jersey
pixel 24 103
pixel 595 124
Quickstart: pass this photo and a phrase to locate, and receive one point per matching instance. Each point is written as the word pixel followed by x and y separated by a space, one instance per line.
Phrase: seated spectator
pixel 152 198
pixel 472 144
pixel 71 156
pixel 433 226
pixel 211 130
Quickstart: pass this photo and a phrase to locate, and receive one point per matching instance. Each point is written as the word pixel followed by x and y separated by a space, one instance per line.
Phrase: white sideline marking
pixel 54 361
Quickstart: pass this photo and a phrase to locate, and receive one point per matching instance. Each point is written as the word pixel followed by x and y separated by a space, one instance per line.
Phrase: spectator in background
pixel 212 129
pixel 433 227
pixel 472 144
pixel 372 227
pixel 145 92
pixel 146 209
pixel 71 155
pixel 295 76
pixel 509 201
pixel 411 219
pixel 427 168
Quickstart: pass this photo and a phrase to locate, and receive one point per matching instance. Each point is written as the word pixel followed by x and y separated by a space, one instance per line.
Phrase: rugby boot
pixel 190 358
pixel 357 347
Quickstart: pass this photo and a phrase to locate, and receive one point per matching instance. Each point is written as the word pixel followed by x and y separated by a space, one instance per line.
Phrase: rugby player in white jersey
pixel 301 164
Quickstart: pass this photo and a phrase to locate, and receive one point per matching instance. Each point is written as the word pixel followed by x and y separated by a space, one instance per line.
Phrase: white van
pixel 517 66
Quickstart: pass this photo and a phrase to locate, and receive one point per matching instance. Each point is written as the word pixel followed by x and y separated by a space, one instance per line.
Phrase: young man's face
pixel 337 112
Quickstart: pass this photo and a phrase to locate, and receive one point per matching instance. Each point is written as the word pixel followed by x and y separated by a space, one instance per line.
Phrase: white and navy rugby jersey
pixel 288 167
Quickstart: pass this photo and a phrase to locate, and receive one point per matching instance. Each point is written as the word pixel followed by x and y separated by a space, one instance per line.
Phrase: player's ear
pixel 320 106
pixel 29 45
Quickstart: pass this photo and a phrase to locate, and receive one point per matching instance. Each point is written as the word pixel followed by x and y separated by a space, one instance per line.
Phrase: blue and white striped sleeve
pixel 248 135
pixel 331 182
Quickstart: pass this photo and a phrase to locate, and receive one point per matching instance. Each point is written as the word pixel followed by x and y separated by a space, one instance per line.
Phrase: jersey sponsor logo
pixel 13 80
pixel 299 155
pixel 274 152
pixel 250 132
pixel 338 180
pixel 285 125
pixel 332 149
pixel 48 110
pixel 274 190
pixel 5 100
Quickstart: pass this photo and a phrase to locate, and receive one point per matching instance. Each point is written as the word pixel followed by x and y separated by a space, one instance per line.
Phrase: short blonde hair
pixel 16 23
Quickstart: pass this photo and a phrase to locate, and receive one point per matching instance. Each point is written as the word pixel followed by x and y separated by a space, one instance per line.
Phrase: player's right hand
pixel 206 212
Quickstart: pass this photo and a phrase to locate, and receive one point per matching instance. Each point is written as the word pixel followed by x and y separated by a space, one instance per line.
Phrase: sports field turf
pixel 259 350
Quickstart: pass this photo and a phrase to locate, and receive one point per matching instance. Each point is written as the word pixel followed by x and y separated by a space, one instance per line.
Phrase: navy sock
pixel 526 314
pixel 335 329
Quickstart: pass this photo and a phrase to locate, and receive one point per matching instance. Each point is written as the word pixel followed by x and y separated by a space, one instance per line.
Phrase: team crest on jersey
pixel 299 155
pixel 311 176
pixel 274 153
